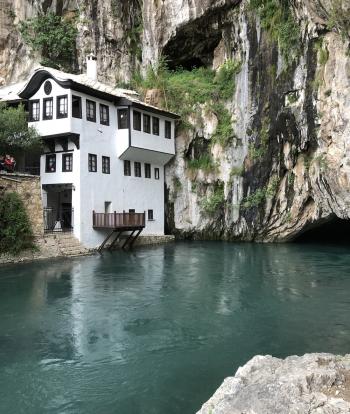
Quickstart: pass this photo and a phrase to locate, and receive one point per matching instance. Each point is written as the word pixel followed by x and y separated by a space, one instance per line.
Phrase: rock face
pixel 287 166
pixel 313 383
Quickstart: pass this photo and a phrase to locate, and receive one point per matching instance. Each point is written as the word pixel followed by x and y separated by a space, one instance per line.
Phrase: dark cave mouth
pixel 334 231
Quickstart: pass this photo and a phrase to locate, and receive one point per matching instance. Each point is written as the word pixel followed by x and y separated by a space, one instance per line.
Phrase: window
pixel 150 215
pixel 104 114
pixel 155 125
pixel 131 210
pixel 47 108
pixel 67 162
pixel 106 165
pixel 137 120
pixel 62 106
pixel 92 162
pixel 137 169
pixel 123 119
pixel 34 111
pixel 147 170
pixel 156 173
pixel 146 123
pixel 127 168
pixel 91 111
pixel 47 87
pixel 167 129
pixel 50 163
pixel 76 106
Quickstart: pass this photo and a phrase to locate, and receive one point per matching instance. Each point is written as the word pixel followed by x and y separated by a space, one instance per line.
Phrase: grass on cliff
pixel 277 19
pixel 16 232
pixel 185 91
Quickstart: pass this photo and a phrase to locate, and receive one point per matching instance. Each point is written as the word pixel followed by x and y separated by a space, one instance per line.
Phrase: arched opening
pixel 334 230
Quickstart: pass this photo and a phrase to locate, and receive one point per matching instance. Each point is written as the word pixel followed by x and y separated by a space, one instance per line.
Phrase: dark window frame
pixel 127 168
pixel 137 114
pixel 31 103
pixel 123 123
pixel 156 173
pixel 102 120
pixel 92 159
pixel 60 115
pixel 147 170
pixel 150 216
pixel 80 114
pixel 93 105
pixel 45 100
pixel 146 124
pixel 106 164
pixel 47 163
pixel 137 169
pixel 167 129
pixel 69 169
pixel 155 131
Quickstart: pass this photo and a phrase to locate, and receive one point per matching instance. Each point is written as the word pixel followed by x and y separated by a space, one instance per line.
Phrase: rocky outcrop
pixel 287 167
pixel 313 383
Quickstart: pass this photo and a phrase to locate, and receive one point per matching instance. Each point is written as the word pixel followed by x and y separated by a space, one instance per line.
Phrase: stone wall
pixel 28 188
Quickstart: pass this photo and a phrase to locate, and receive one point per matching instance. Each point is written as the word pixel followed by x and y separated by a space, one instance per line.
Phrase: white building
pixel 104 152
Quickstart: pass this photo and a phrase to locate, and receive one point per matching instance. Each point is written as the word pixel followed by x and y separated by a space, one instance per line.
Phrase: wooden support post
pixel 127 240
pixel 105 241
pixel 134 239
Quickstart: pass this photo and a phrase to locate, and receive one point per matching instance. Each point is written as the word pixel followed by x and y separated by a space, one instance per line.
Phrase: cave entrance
pixel 334 231
pixel 193 44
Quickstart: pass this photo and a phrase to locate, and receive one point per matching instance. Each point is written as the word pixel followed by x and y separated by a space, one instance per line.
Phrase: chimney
pixel 91 66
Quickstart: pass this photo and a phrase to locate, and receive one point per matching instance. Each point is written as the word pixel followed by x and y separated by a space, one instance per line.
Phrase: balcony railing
pixel 118 220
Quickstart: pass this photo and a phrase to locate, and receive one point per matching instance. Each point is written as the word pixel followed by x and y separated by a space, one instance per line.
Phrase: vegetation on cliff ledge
pixel 186 91
pixel 15 230
pixel 53 37
pixel 277 19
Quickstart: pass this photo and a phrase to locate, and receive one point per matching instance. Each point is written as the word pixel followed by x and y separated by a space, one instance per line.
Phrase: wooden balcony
pixel 118 221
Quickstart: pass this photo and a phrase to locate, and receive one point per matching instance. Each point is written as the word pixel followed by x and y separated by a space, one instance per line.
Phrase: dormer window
pixel 34 110
pixel 104 114
pixel 62 106
pixel 47 108
pixel 91 111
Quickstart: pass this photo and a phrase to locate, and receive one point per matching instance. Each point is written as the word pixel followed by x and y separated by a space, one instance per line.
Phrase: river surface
pixel 156 331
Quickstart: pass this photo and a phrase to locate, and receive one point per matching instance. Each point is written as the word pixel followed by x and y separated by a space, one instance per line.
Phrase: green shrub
pixel 53 37
pixel 339 18
pixel 15 229
pixel 259 196
pixel 185 90
pixel 204 162
pixel 215 201
pixel 277 19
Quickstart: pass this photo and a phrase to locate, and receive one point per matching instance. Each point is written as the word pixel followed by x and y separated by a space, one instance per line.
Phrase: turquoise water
pixel 157 330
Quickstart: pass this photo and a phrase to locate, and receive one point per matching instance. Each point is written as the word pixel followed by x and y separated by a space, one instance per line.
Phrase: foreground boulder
pixel 312 384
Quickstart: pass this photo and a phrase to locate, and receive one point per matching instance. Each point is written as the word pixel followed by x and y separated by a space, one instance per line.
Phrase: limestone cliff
pixel 313 383
pixel 287 166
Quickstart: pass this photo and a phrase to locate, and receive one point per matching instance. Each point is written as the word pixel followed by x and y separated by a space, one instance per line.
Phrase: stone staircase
pixel 68 245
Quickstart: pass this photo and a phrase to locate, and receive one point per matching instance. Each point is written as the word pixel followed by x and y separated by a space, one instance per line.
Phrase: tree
pixel 53 37
pixel 15 135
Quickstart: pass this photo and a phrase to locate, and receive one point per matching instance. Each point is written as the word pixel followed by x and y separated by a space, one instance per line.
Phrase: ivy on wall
pixel 16 233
